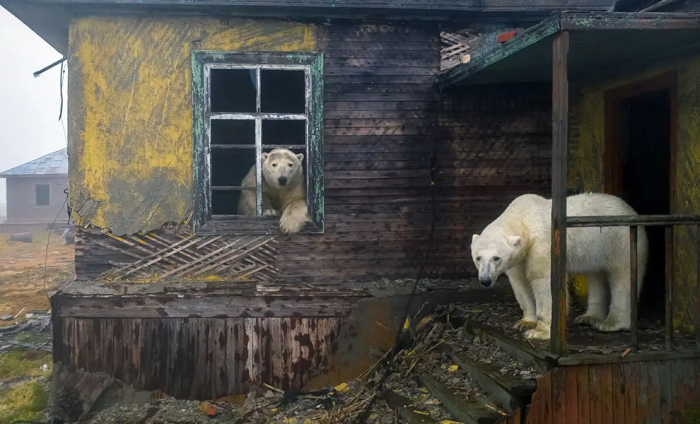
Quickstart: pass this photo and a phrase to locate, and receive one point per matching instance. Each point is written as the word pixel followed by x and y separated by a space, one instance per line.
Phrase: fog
pixel 29 107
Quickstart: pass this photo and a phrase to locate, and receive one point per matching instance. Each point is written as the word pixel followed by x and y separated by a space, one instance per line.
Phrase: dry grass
pixel 22 272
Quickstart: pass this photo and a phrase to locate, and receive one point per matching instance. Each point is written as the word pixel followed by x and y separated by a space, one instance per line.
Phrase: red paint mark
pixel 502 38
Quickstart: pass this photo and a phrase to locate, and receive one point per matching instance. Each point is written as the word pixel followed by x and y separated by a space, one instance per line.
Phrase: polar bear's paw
pixel 270 212
pixel 587 320
pixel 525 324
pixel 537 333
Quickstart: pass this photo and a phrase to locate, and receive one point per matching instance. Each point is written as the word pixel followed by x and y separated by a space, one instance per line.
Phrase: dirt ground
pixel 25 373
pixel 22 282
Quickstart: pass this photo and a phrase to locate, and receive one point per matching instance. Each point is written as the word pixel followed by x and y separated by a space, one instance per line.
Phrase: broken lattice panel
pixel 455 49
pixel 167 254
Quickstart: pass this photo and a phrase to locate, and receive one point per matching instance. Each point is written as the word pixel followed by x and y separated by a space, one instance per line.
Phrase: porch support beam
pixel 560 127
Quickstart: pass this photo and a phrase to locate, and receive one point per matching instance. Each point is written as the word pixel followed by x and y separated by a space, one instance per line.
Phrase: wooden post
pixel 560 126
pixel 669 286
pixel 633 288
pixel 697 292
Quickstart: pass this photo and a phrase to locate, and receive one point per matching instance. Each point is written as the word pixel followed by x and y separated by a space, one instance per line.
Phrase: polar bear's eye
pixel 290 165
pixel 274 164
pixel 478 258
pixel 496 258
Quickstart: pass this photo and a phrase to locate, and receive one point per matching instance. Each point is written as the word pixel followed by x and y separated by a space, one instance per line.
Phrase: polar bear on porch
pixel 284 190
pixel 518 244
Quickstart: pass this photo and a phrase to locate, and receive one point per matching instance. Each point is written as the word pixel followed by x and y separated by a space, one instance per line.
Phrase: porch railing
pixel 634 222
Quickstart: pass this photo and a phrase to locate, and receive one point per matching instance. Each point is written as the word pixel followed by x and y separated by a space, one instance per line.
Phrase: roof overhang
pixel 601 45
pixel 50 18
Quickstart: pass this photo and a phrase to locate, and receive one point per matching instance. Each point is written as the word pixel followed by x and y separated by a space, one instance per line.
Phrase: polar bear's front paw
pixel 270 212
pixel 525 324
pixel 291 225
pixel 587 320
pixel 537 333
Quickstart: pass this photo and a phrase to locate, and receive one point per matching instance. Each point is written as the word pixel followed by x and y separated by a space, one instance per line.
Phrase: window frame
pixel 203 222
pixel 36 203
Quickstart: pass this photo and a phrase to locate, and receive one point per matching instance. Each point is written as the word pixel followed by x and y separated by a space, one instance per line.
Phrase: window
pixel 42 195
pixel 245 106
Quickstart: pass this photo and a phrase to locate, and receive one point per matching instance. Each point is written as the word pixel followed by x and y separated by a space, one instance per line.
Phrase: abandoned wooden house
pixel 36 193
pixel 390 102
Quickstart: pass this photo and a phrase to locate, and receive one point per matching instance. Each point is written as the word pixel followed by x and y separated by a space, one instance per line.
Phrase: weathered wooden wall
pixel 586 172
pixel 199 358
pixel 380 109
pixel 130 102
pixel 635 392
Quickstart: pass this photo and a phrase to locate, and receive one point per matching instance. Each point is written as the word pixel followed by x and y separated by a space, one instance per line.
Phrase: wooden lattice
pixel 455 49
pixel 180 254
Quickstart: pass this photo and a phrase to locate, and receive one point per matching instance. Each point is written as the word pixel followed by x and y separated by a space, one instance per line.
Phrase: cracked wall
pixel 586 171
pixel 130 119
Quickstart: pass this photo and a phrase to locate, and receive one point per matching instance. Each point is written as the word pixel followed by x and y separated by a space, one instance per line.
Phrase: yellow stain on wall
pixel 588 168
pixel 130 121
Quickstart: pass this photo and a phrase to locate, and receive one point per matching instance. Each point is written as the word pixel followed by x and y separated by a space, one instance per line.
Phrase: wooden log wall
pixel 379 120
pixel 666 391
pixel 199 358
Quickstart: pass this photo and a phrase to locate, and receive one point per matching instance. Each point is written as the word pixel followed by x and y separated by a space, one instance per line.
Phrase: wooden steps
pixel 512 393
pixel 403 408
pixel 513 347
pixel 466 412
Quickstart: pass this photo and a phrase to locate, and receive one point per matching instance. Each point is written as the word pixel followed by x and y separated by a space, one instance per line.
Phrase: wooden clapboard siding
pixel 380 109
pixel 633 392
pixel 493 145
pixel 199 358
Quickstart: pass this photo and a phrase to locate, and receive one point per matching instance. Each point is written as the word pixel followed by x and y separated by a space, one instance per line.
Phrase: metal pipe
pixel 41 71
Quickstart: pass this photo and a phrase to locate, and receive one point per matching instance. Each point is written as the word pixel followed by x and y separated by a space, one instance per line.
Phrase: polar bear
pixel 518 244
pixel 284 190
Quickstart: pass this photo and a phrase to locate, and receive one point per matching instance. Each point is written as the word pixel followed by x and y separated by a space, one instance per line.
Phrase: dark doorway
pixel 639 171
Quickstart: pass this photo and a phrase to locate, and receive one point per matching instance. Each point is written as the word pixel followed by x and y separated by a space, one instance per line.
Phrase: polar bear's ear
pixel 264 156
pixel 513 240
pixel 474 238
pixel 300 156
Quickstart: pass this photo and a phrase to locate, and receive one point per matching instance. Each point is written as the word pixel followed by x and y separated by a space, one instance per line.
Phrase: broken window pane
pixel 283 132
pixel 233 132
pixel 233 90
pixel 282 91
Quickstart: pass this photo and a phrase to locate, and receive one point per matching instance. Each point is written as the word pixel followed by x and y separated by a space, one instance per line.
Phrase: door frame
pixel 614 115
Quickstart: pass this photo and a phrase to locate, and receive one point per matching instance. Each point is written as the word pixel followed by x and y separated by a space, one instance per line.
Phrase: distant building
pixel 35 193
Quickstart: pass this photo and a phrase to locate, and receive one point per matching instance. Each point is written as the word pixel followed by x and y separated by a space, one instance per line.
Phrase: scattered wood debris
pixel 501 316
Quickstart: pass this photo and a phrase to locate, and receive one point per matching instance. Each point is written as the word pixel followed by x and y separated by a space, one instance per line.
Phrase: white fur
pixel 520 240
pixel 287 200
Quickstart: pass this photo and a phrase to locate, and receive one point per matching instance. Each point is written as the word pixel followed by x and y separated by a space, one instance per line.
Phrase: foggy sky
pixel 29 126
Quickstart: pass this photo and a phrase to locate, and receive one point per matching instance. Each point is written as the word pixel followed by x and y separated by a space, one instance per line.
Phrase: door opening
pixel 640 148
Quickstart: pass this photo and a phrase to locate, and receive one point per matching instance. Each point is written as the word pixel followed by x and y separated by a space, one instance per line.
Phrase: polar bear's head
pixel 282 169
pixel 494 252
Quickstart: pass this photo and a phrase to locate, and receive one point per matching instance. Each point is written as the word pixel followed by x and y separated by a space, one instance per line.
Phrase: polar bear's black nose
pixel 485 281
pixel 282 180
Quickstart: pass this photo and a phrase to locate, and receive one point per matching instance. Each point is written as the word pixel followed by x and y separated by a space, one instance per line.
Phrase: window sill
pixel 245 225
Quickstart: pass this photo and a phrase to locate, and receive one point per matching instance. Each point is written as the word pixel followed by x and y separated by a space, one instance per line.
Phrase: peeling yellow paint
pixel 130 126
pixel 586 170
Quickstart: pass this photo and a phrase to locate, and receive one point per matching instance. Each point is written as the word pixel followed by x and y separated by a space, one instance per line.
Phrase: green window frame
pixel 203 62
